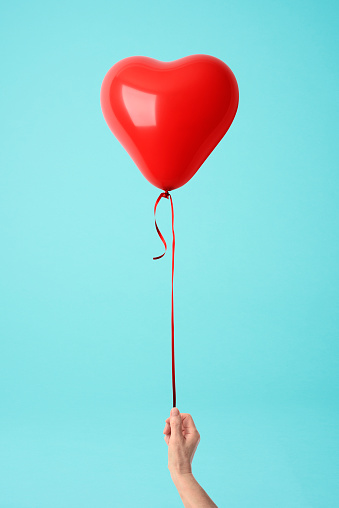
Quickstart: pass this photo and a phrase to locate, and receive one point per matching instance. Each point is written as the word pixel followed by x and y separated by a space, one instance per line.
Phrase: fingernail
pixel 174 411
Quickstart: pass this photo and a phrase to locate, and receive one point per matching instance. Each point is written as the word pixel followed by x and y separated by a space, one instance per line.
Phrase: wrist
pixel 181 477
pixel 191 493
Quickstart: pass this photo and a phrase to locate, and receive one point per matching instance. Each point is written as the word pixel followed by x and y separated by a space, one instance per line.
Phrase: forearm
pixel 191 493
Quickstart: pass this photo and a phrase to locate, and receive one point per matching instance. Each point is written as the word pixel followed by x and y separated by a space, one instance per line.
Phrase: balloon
pixel 169 116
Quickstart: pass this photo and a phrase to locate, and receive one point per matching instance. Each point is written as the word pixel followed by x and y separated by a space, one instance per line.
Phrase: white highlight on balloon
pixel 140 106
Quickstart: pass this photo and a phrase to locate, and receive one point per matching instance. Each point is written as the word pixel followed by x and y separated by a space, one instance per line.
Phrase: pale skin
pixel 182 438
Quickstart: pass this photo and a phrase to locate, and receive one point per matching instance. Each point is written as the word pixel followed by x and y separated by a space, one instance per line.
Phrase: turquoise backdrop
pixel 85 366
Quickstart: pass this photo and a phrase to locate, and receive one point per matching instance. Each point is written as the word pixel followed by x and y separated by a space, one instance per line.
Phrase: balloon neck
pixel 166 194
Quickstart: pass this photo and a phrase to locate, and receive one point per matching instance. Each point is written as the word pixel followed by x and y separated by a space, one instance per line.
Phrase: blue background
pixel 85 312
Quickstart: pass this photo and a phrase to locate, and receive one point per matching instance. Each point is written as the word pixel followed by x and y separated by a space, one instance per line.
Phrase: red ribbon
pixel 167 195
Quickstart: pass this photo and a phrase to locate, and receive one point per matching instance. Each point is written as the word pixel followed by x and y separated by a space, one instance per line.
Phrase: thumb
pixel 176 423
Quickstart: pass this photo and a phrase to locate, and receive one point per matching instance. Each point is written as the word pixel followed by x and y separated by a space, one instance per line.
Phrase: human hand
pixel 182 438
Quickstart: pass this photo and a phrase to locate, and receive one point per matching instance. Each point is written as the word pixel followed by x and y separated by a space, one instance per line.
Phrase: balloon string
pixel 167 195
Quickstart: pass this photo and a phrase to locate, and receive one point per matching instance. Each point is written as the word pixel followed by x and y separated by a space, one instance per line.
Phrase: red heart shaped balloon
pixel 169 116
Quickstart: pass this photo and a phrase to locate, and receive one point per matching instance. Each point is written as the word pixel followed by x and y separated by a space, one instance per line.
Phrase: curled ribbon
pixel 167 195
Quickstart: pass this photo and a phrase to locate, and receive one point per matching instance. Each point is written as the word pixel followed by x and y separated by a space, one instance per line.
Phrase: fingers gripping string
pixel 167 195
